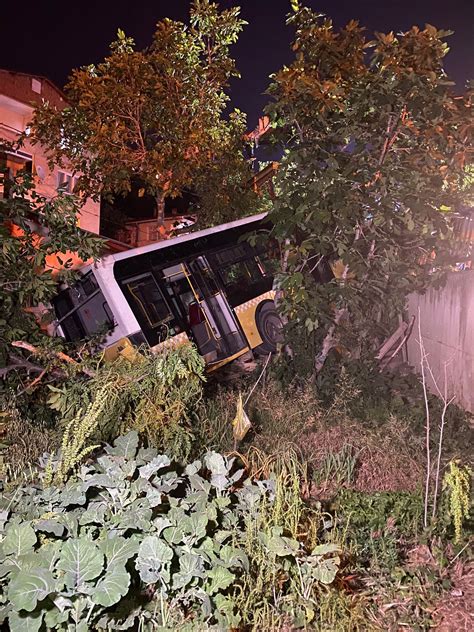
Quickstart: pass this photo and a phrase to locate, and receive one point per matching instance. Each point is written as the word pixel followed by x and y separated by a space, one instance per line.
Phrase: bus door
pixel 203 306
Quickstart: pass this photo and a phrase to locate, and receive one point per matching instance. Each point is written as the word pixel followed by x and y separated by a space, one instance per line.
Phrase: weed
pixel 458 484
pixel 379 525
pixel 154 394
pixel 24 443
pixel 337 468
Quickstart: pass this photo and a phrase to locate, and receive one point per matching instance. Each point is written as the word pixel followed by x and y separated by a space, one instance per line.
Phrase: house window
pixel 36 85
pixel 66 182
pixel 11 165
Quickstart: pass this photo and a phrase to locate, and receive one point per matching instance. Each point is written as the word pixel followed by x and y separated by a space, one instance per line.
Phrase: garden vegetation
pixel 126 500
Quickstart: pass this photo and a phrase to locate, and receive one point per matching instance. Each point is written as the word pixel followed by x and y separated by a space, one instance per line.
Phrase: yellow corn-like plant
pixel 74 446
pixel 458 482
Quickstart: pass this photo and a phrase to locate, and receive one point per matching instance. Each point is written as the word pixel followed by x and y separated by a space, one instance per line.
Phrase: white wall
pixel 447 327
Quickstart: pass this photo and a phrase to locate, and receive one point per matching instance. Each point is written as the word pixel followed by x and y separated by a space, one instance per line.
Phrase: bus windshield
pixel 82 310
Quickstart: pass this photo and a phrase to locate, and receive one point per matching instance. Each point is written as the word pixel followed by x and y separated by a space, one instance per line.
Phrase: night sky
pixel 50 38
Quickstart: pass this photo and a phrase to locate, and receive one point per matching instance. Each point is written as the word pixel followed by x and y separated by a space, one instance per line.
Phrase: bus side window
pixel 149 299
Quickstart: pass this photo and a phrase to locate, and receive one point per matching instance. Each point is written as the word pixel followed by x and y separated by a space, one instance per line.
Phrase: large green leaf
pixel 22 622
pixel 196 525
pixel 221 578
pixel 81 561
pixel 29 587
pixel 73 495
pixel 19 539
pixel 50 526
pixel 325 571
pixel 158 463
pixel 119 550
pixel 282 546
pixel 112 587
pixel 125 446
pixel 173 535
pixel 190 566
pixel 323 549
pixel 152 554
pixel 232 556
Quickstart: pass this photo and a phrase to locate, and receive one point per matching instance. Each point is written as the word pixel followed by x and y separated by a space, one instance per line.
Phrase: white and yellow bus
pixel 210 287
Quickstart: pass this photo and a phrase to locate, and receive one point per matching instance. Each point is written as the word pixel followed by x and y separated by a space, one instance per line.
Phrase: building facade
pixel 20 93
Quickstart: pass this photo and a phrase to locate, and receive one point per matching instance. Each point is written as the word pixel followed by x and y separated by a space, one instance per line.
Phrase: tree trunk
pixel 160 209
pixel 330 340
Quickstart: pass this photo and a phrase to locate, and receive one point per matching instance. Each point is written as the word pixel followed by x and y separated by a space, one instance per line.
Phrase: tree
pixel 376 148
pixel 154 116
pixel 36 233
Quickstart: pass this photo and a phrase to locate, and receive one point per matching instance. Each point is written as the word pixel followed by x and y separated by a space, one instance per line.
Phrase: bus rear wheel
pixel 269 327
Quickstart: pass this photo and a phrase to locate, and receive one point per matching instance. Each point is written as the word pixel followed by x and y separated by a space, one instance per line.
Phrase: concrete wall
pixel 447 328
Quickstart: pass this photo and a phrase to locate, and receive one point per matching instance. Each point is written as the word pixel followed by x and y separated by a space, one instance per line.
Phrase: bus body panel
pixel 228 283
pixel 246 313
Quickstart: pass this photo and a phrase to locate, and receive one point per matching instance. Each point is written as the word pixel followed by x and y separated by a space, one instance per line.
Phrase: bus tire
pixel 269 327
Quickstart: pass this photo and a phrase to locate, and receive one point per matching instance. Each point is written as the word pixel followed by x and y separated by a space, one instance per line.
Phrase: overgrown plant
pixel 74 444
pixel 376 148
pixel 457 482
pixel 153 394
pixel 132 541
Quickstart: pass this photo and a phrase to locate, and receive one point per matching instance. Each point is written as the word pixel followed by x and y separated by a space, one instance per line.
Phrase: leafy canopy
pixel 153 115
pixel 37 234
pixel 376 148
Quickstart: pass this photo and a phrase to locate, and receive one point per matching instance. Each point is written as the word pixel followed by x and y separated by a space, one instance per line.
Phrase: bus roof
pixel 188 237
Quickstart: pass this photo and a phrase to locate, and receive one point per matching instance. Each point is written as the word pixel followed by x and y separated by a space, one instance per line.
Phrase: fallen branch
pixel 20 344
pixel 407 329
pixel 16 363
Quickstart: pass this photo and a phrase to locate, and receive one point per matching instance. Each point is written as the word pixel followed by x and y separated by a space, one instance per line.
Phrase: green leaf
pixel 19 539
pixel 125 446
pixel 152 554
pixel 173 535
pixel 81 561
pixel 50 526
pixel 234 557
pixel 158 463
pixel 119 550
pixel 54 617
pixel 29 587
pixel 282 546
pixel 112 587
pixel 326 570
pixel 196 525
pixel 323 549
pixel 25 622
pixel 221 578
pixel 190 566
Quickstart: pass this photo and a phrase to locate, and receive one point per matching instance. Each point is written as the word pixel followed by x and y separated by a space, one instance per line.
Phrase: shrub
pixel 379 523
pixel 132 540
pixel 153 394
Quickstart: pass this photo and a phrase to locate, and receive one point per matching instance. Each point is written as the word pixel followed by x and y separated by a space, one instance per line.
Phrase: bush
pixel 152 394
pixel 132 540
pixel 378 524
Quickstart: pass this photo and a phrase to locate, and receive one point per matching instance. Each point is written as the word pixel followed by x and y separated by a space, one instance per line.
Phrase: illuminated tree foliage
pixel 156 115
pixel 375 154
pixel 36 234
